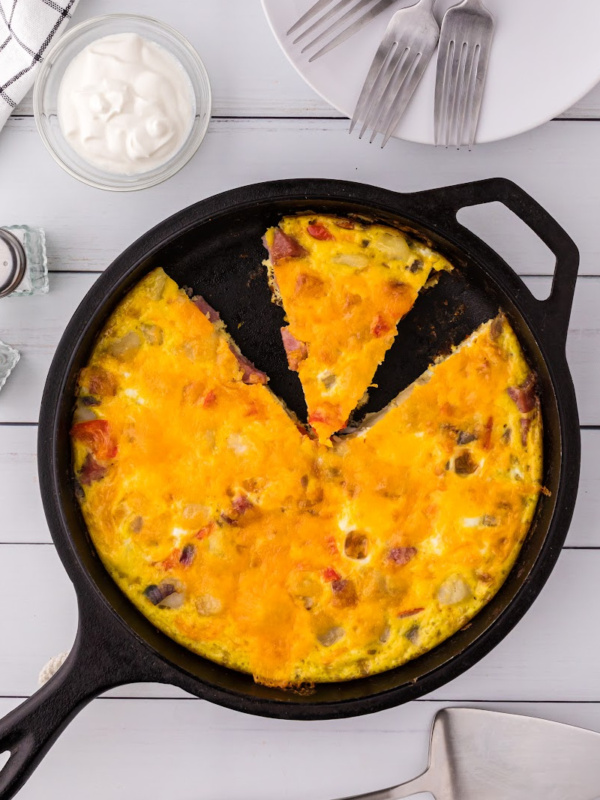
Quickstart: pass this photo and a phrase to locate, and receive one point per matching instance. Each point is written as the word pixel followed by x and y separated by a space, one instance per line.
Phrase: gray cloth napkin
pixel 27 28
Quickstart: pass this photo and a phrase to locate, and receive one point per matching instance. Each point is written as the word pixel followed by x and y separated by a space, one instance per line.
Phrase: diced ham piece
pixel 250 374
pixel 525 425
pixel 206 309
pixel 187 555
pixel 91 471
pixel 296 351
pixel 402 555
pixel 344 593
pixel 241 504
pixel 524 395
pixel 284 246
pixel 487 433
pixel 320 232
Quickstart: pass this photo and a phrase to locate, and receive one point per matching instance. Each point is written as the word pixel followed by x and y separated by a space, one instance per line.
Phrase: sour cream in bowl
pixel 122 102
pixel 125 104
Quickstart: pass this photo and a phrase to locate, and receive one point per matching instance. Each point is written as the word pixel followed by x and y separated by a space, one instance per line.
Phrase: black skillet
pixel 215 248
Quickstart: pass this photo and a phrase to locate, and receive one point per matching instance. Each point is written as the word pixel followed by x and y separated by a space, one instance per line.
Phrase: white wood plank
pixel 23 518
pixel 34 325
pixel 250 74
pixel 22 513
pixel 541 659
pixel 87 228
pixel 192 750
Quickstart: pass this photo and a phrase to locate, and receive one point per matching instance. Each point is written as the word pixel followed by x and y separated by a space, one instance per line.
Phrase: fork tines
pixel 465 44
pixel 406 49
pixel 331 22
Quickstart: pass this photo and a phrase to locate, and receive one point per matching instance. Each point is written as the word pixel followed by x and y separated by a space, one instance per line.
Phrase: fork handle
pixel 416 786
pixel 474 4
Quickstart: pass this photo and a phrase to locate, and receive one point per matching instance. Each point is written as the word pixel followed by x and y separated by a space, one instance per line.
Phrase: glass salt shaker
pixel 23 271
pixel 23 261
pixel 8 359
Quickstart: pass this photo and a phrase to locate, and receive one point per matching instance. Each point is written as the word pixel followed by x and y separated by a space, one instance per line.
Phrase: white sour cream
pixel 125 104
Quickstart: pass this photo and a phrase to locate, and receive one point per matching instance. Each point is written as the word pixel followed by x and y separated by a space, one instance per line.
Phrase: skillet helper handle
pixel 555 311
pixel 94 665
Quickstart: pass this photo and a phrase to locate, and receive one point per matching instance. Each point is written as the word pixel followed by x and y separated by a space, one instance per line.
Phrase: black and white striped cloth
pixel 27 28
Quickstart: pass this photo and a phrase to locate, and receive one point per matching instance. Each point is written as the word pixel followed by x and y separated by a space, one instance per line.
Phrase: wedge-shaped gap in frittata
pixel 344 284
pixel 446 314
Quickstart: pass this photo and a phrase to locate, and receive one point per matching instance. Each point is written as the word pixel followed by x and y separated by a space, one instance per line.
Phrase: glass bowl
pixel 45 96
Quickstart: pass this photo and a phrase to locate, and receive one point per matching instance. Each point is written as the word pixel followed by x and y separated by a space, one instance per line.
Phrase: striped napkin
pixel 27 28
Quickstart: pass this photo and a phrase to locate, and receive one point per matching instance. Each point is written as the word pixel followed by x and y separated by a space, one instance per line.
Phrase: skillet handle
pixel 94 665
pixel 555 312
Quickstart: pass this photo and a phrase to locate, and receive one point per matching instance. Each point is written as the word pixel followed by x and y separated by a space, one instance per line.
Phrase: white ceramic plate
pixel 545 57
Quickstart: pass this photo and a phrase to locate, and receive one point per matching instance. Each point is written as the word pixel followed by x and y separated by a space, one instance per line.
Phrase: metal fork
pixel 406 49
pixel 324 10
pixel 465 44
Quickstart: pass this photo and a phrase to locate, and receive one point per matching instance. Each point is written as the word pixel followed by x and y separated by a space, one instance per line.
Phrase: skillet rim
pixel 321 190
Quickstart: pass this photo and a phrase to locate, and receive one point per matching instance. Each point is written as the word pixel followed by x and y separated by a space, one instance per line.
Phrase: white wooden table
pixel 151 741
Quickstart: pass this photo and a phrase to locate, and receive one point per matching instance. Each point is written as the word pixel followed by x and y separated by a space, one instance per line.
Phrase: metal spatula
pixel 485 755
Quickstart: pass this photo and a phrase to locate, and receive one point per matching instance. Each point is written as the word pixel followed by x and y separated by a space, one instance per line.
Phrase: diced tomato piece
pixel 380 326
pixel 409 613
pixel 320 232
pixel 96 436
pixel 206 531
pixel 487 435
pixel 252 409
pixel 171 559
pixel 331 575
pixel 209 399
pixel 332 546
pixel 319 416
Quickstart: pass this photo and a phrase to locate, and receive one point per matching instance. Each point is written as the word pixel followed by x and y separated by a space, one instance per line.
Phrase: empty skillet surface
pixel 215 248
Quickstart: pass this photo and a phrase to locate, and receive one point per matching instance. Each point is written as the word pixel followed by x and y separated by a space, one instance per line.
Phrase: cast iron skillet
pixel 215 247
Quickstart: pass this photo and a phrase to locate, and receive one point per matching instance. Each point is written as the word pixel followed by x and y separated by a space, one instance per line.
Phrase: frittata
pixel 344 285
pixel 244 538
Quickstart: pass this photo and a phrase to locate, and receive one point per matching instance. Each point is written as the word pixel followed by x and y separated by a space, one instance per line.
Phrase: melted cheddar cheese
pixel 344 285
pixel 249 542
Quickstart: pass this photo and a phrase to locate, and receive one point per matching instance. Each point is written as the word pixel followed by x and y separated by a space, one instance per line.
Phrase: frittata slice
pixel 344 285
pixel 256 546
